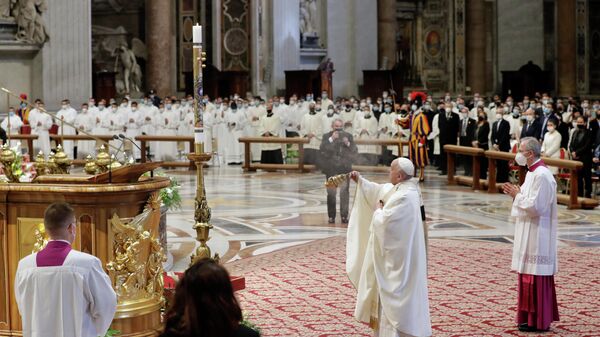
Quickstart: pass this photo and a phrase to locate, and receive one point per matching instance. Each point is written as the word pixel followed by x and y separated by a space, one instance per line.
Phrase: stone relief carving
pixel 308 17
pixel 27 16
pixel 112 52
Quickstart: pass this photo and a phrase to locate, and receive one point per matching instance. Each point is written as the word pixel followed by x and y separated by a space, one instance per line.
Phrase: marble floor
pixel 261 212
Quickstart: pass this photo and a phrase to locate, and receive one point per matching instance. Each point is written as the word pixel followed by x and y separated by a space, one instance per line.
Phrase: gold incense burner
pixel 337 180
pixel 40 164
pixel 90 165
pixel 7 158
pixel 63 163
pixel 102 159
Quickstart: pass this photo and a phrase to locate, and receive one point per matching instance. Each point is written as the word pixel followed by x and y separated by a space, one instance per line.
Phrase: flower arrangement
pixel 112 333
pixel 170 196
pixel 21 169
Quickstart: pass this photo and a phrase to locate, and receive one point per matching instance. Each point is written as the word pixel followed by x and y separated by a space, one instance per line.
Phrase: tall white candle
pixel 197 33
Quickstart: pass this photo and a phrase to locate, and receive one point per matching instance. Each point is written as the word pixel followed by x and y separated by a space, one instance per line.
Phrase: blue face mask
pixel 388 110
pixel 11 113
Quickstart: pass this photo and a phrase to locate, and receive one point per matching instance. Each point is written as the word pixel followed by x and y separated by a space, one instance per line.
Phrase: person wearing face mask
pixel 366 128
pixel 15 125
pixel 468 126
pixel 40 123
pixel 419 129
pixel 311 127
pixel 348 116
pixel 83 122
pixel 548 113
pixel 167 125
pixel 253 115
pixel 581 150
pixel 338 152
pixel 434 138
pixel 325 99
pixel 328 117
pixel 133 124
pixel 235 121
pixel 388 130
pixel 449 125
pixel 532 127
pixel 551 143
pixel 270 126
pixel 534 255
pixel 482 134
pixel 149 115
pixel 501 142
pixel 68 115
pixel 515 121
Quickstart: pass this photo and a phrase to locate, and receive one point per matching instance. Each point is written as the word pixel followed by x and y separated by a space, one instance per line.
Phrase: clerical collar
pixel 537 164
pixel 64 241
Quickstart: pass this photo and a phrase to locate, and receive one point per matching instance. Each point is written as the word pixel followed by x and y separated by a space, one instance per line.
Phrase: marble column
pixel 159 26
pixel 565 47
pixel 475 20
pixel 386 32
pixel 66 59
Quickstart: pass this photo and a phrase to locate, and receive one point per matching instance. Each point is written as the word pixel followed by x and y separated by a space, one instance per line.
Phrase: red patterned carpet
pixel 303 291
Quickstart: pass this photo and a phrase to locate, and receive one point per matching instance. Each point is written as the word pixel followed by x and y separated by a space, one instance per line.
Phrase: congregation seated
pixel 204 305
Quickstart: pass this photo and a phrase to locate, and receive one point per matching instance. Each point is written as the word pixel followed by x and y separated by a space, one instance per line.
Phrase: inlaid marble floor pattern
pixel 261 212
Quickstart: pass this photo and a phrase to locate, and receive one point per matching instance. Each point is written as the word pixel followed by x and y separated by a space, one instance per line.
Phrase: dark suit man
pixel 532 126
pixel 468 126
pixel 338 151
pixel 448 122
pixel 501 142
pixel 581 150
pixel 3 136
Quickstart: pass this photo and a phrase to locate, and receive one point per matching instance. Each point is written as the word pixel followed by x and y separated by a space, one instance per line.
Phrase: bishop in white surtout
pixel 385 254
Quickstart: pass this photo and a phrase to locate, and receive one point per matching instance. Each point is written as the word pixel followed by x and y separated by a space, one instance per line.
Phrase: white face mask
pixel 550 129
pixel 529 118
pixel 64 106
pixel 521 159
pixel 498 116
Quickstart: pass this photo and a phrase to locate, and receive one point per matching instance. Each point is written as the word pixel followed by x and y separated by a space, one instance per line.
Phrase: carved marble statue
pixel 6 8
pixel 308 17
pixel 125 59
pixel 304 19
pixel 314 15
pixel 31 27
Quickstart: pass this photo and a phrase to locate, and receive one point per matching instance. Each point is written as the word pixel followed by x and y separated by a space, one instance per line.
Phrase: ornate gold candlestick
pixel 202 212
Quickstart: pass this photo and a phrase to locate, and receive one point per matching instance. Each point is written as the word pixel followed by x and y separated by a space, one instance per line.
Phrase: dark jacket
pixel 242 331
pixel 470 134
pixel 532 130
pixel 482 135
pixel 581 144
pixel 336 157
pixel 3 136
pixel 448 128
pixel 501 135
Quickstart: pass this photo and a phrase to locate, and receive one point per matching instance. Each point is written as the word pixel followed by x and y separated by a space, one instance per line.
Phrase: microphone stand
pixel 122 136
pixel 115 137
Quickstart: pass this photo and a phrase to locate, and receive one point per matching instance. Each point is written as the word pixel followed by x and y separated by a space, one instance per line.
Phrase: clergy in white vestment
pixel 83 122
pixel 328 117
pixel 365 127
pixel 116 121
pixel 386 254
pixel 15 125
pixel 149 114
pixel 235 122
pixel 326 102
pixel 220 132
pixel 66 114
pixel 292 118
pixel 311 127
pixel 41 123
pixel 348 116
pixel 60 291
pixel 133 128
pixel 388 129
pixel 270 126
pixel 167 125
pixel 254 113
pixel 100 126
pixel 534 255
pixel 514 119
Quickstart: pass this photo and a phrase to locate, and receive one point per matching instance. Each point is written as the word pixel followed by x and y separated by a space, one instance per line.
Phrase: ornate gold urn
pixel 102 159
pixel 7 158
pixel 90 165
pixel 40 164
pixel 63 163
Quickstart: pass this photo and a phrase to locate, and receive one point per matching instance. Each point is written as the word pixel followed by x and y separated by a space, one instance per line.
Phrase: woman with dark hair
pixel 204 305
pixel 482 135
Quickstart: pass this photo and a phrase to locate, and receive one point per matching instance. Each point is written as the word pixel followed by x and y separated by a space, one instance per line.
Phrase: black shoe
pixel 344 220
pixel 526 328
pixel 331 220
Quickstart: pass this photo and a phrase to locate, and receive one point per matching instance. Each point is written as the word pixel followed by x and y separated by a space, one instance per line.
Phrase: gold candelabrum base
pixel 202 211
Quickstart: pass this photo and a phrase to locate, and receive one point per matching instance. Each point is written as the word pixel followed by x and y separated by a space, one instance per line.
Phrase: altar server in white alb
pixel 41 123
pixel 385 254
pixel 65 115
pixel 534 250
pixel 15 125
pixel 60 291
pixel 270 126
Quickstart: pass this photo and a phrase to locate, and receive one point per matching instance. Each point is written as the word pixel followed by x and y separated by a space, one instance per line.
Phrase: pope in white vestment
pixel 386 256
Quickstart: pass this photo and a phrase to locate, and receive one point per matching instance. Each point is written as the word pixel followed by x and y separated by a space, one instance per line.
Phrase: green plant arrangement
pixel 245 322
pixel 169 196
pixel 112 333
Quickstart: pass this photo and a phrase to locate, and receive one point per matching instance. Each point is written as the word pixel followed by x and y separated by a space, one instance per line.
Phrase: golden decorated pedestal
pixel 116 222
